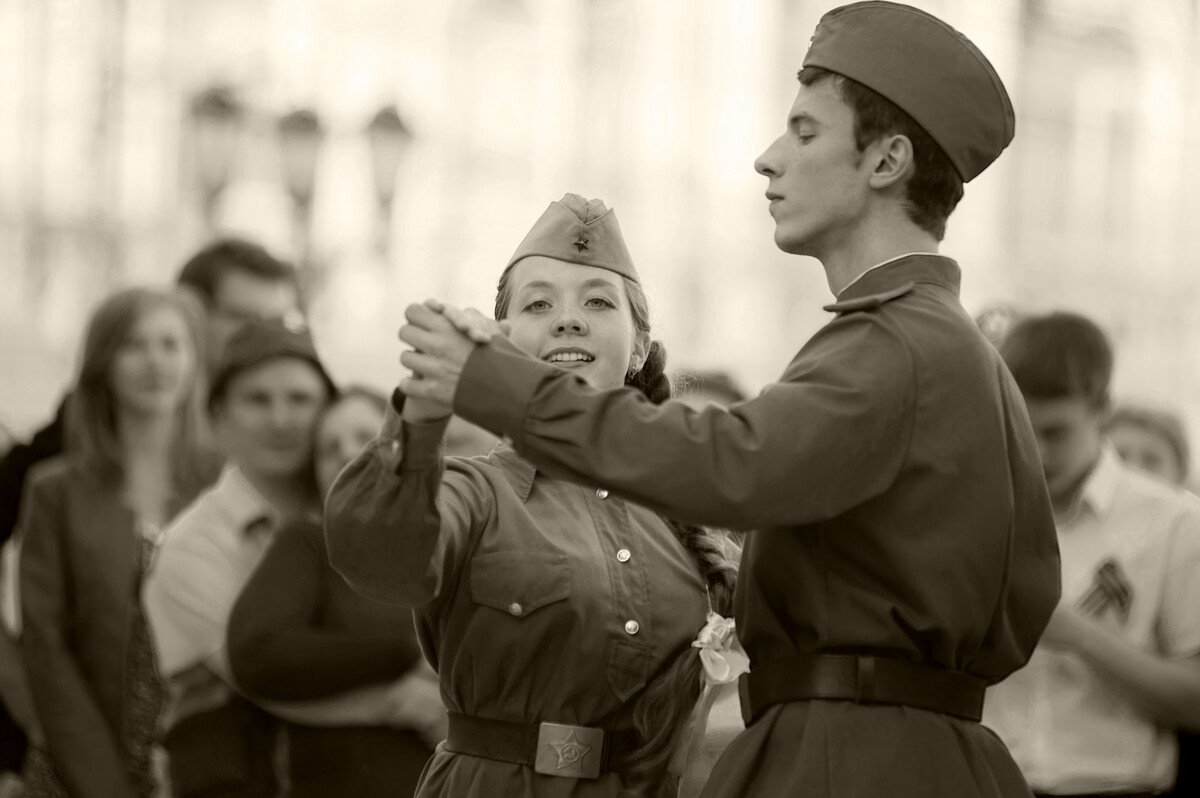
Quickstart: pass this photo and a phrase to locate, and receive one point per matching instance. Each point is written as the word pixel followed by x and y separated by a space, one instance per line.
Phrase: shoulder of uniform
pixel 871 301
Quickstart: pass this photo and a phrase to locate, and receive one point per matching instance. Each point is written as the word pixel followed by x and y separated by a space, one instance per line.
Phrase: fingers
pixel 422 365
pixel 475 325
pixel 421 315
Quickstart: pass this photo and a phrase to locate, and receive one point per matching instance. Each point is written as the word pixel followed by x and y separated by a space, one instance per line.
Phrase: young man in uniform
pixel 1118 670
pixel 903 553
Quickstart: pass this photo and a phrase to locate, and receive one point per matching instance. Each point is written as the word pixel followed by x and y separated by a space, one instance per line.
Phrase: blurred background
pixel 399 149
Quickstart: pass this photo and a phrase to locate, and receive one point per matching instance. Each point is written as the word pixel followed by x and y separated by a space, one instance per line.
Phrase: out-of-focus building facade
pixel 112 173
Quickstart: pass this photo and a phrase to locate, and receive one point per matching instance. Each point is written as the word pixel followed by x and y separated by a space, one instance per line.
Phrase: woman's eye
pixel 599 302
pixel 537 305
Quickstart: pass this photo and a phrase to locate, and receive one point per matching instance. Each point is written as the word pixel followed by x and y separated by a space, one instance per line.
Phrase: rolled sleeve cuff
pixel 496 386
pixel 414 447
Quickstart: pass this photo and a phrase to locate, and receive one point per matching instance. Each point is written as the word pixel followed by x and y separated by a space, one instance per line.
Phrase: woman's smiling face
pixel 575 317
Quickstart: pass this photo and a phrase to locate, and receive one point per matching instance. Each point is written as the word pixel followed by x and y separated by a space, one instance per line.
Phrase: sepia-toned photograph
pixel 599 398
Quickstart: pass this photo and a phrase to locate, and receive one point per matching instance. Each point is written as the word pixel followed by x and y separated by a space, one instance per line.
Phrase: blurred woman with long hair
pixel 136 454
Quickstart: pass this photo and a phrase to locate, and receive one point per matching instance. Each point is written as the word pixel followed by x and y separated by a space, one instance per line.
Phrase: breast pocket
pixel 519 583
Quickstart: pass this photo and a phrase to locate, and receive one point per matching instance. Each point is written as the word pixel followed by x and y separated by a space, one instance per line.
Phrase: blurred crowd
pixel 173 626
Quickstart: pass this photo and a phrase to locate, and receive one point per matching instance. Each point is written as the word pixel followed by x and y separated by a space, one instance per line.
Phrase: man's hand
pixel 469 321
pixel 440 353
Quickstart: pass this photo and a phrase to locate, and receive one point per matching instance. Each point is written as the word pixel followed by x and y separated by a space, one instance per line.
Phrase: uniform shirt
pixel 895 493
pixel 206 556
pixel 536 600
pixel 1067 728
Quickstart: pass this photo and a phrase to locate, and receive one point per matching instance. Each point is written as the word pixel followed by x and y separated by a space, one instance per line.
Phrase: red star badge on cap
pixel 581 243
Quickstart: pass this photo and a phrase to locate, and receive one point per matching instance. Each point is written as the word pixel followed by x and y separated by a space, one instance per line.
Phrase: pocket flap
pixel 519 582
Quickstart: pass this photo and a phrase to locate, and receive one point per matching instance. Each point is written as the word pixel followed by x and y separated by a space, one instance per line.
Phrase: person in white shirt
pixel 1117 672
pixel 264 401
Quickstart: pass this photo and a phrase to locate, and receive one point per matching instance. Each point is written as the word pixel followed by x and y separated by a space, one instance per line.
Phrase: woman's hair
pixel 662 709
pixel 91 417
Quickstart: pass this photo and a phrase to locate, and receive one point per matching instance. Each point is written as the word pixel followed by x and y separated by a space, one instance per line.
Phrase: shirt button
pixel 632 627
pixel 395 446
pixel 515 608
pixel 623 555
pixel 602 494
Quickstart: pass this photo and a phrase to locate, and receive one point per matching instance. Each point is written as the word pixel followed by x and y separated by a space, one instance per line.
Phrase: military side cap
pixel 928 69
pixel 257 342
pixel 578 230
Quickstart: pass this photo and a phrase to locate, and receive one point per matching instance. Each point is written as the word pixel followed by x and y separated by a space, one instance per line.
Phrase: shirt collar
pixel 1100 487
pixel 916 267
pixel 520 471
pixel 244 507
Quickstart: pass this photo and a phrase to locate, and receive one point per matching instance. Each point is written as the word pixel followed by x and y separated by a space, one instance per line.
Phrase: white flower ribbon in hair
pixel 721 653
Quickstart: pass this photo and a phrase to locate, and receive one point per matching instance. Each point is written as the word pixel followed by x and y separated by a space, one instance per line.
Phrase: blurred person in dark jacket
pixel 136 454
pixel 298 632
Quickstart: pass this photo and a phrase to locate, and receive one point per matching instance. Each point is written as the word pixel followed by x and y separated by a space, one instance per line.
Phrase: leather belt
pixel 862 679
pixel 552 749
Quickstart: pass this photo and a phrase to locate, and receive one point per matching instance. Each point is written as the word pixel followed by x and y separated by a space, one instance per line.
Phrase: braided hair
pixel 662 709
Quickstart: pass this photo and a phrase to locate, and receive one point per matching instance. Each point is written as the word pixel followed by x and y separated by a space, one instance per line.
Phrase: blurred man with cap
pixel 903 553
pixel 266 393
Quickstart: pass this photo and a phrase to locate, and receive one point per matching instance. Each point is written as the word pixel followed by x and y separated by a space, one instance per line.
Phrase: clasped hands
pixel 442 338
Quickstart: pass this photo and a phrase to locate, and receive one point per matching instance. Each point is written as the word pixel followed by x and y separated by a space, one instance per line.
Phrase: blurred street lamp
pixel 300 137
pixel 388 138
pixel 217 117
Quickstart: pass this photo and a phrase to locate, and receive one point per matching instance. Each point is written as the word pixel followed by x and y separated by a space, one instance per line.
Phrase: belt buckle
pixel 572 752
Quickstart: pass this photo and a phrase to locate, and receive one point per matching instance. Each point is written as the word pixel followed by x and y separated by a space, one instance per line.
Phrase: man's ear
pixel 893 158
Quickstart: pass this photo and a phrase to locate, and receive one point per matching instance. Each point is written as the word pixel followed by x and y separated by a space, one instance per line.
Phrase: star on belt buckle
pixel 573 752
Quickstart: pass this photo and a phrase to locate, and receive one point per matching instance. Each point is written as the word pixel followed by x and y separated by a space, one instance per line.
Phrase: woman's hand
pixel 469 321
pixel 439 353
pixel 423 411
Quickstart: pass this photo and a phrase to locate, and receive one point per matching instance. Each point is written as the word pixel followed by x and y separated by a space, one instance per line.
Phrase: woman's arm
pixel 78 737
pixel 277 651
pixel 396 521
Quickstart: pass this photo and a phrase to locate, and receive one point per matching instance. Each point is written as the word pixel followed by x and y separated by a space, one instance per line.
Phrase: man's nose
pixel 765 163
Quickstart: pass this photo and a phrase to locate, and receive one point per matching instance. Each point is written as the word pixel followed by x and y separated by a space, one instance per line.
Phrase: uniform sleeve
pixel 188 596
pixel 397 520
pixel 277 649
pixel 78 737
pixel 831 435
pixel 1179 615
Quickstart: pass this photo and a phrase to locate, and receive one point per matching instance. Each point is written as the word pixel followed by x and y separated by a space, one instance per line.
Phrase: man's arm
pixel 1167 688
pixel 1165 682
pixel 832 434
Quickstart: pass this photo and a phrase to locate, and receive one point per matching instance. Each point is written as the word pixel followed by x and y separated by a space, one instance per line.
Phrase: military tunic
pixel 535 599
pixel 895 491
